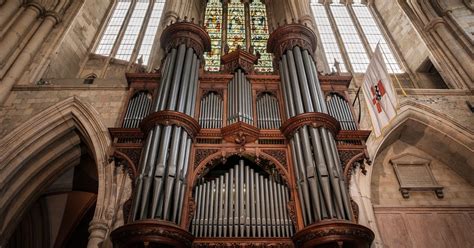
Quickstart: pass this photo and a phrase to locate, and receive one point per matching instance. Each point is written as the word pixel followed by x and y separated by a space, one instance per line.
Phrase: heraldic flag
pixel 380 95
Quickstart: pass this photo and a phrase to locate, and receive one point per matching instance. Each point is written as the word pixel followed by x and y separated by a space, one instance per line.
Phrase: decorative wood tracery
pixel 239 59
pixel 334 233
pixel 290 35
pixel 313 119
pixel 152 232
pixel 168 118
pixel 188 33
pixel 240 133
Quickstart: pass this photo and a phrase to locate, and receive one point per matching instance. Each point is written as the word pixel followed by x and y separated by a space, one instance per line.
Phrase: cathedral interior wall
pixel 106 96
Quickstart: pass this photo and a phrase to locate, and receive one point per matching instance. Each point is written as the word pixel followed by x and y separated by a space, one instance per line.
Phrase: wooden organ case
pixel 237 158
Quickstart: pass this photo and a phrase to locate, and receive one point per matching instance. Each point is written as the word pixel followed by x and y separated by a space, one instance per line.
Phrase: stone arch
pixel 53 136
pixel 422 120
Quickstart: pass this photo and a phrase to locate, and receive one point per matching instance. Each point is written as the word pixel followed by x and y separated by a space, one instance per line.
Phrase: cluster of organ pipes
pixel 268 113
pixel 211 111
pixel 240 99
pixel 138 108
pixel 241 203
pixel 160 185
pixel 339 108
pixel 318 170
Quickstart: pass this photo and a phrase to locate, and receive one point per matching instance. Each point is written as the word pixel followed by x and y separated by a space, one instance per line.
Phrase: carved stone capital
pixel 339 233
pixel 168 118
pixel 313 119
pixel 239 59
pixel 188 33
pixel 155 232
pixel 291 35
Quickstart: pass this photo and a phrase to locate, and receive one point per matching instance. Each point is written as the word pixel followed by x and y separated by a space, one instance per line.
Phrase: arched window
pixel 131 30
pixel 234 24
pixel 358 34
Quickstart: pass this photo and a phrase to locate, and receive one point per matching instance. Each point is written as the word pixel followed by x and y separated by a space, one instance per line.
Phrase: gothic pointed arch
pixel 45 146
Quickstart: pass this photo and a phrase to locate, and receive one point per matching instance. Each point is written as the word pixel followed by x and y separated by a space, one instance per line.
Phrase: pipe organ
pixel 237 158
pixel 240 99
pixel 241 203
pixel 339 108
pixel 137 109
pixel 211 111
pixel 268 112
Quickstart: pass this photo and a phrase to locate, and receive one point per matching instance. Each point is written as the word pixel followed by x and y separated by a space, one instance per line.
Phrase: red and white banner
pixel 380 95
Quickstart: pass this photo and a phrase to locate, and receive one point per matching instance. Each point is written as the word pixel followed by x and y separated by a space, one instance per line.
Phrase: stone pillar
pixel 160 188
pixel 325 202
pixel 7 11
pixel 28 53
pixel 98 230
pixel 16 32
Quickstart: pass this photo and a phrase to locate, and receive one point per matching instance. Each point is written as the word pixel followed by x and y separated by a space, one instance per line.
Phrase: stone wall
pixel 385 187
pixel 106 97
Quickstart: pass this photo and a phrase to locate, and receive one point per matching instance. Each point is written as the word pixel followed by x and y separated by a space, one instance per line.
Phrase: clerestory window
pixel 349 35
pixel 233 24
pixel 131 30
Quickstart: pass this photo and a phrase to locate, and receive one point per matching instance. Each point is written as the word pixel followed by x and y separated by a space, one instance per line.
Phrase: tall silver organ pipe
pixel 268 112
pixel 233 205
pixel 211 111
pixel 240 99
pixel 339 108
pixel 318 169
pixel 160 185
pixel 138 108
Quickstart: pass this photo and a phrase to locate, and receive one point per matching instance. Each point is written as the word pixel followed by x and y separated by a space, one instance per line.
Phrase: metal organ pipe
pixel 318 172
pixel 240 99
pixel 268 113
pixel 241 203
pixel 138 107
pixel 163 168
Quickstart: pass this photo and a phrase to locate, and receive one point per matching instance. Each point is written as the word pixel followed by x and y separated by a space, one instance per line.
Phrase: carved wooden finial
pixel 192 20
pixel 185 18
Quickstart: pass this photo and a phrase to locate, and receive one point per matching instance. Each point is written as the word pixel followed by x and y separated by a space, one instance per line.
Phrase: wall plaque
pixel 414 174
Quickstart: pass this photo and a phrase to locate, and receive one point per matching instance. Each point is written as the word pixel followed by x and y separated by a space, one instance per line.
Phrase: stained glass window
pixel 236 25
pixel 213 25
pixel 259 34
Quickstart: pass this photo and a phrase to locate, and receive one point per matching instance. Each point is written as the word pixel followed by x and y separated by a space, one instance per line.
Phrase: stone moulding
pixel 313 119
pixel 291 35
pixel 155 232
pixel 188 33
pixel 168 118
pixel 334 233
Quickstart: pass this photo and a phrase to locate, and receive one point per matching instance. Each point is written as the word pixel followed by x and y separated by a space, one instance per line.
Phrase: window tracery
pixel 125 37
pixel 349 34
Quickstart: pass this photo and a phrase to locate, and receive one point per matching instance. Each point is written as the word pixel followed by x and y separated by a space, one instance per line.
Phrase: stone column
pixel 28 53
pixel 311 132
pixel 18 29
pixel 160 188
pixel 7 11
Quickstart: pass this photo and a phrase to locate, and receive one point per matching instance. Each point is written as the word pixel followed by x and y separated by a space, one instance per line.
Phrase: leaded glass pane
pixel 326 34
pixel 133 29
pixel 150 33
pixel 259 31
pixel 113 28
pixel 236 25
pixel 374 36
pixel 354 47
pixel 213 24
